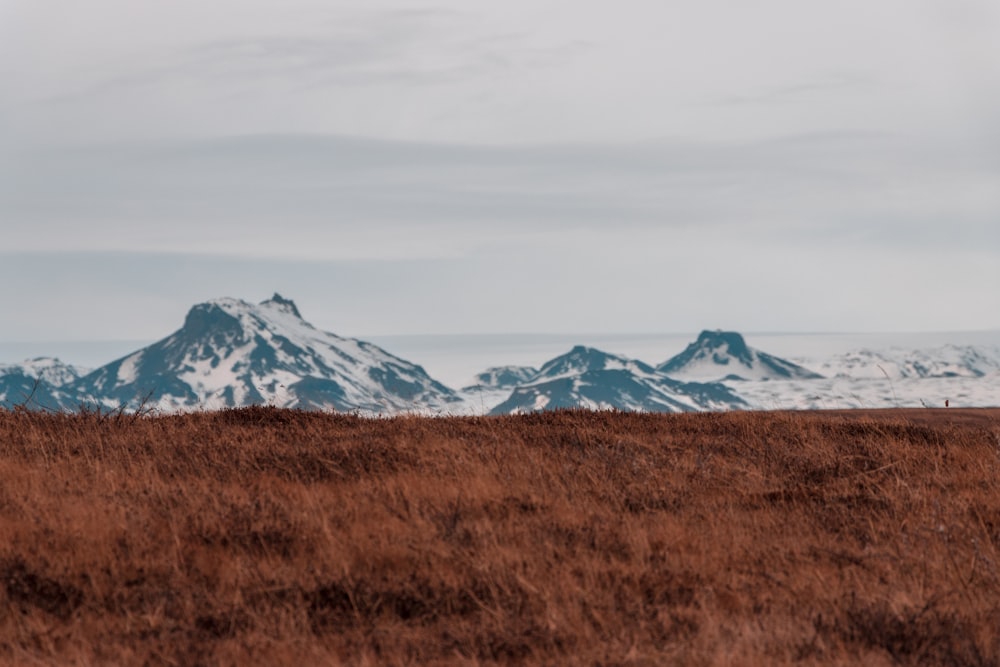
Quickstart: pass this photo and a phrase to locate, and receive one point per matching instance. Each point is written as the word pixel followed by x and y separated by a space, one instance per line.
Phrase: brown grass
pixel 262 536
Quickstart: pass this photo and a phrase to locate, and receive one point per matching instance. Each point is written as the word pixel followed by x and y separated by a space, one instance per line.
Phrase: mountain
pixel 493 386
pixel 724 355
pixel 232 353
pixel 49 369
pixel 947 361
pixel 589 378
pixel 39 383
pixel 20 389
pixel 502 377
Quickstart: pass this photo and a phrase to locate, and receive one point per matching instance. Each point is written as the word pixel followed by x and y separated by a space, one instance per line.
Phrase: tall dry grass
pixel 263 536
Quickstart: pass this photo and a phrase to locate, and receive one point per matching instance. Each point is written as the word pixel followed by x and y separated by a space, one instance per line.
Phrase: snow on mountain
pixel 39 383
pixel 589 378
pixel 50 369
pixel 19 389
pixel 582 359
pixel 502 377
pixel 492 386
pixel 231 353
pixel 939 362
pixel 724 355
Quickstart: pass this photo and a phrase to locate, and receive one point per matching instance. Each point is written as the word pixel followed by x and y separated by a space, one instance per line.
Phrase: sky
pixel 452 167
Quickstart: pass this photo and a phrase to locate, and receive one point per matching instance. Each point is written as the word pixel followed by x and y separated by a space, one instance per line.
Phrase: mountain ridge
pixel 590 378
pixel 229 352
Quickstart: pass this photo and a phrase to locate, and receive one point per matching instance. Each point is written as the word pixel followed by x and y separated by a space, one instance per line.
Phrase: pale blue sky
pixel 455 167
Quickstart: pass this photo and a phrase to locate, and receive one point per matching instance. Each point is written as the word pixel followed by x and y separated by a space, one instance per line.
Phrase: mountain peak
pixel 213 316
pixel 49 369
pixel 731 340
pixel 582 358
pixel 282 303
pixel 718 355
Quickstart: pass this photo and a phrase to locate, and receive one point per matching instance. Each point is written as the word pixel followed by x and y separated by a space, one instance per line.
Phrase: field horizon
pixel 272 536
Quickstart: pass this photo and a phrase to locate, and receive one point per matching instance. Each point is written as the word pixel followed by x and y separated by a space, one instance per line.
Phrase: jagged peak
pixel 283 304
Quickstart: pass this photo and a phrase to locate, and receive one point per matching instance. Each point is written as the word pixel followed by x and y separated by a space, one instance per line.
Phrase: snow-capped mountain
pixel 39 383
pixel 589 378
pixel 20 389
pixel 493 386
pixel 49 369
pixel 724 355
pixel 232 353
pixel 940 362
pixel 502 377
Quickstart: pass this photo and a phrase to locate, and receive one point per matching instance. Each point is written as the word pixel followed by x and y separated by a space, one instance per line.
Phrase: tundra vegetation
pixel 267 536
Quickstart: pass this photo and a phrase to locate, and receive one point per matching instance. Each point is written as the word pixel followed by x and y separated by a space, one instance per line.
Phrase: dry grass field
pixel 263 536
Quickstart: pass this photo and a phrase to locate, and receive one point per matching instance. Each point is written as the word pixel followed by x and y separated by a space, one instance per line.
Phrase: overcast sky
pixel 519 166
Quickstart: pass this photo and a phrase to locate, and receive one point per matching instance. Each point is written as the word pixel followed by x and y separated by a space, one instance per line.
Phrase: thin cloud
pixel 828 185
pixel 381 48
pixel 798 91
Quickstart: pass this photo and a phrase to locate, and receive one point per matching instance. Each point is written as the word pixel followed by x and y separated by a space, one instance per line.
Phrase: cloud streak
pixel 827 87
pixel 387 48
pixel 831 185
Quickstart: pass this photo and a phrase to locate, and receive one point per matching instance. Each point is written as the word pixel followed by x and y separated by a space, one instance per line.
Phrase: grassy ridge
pixel 262 536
